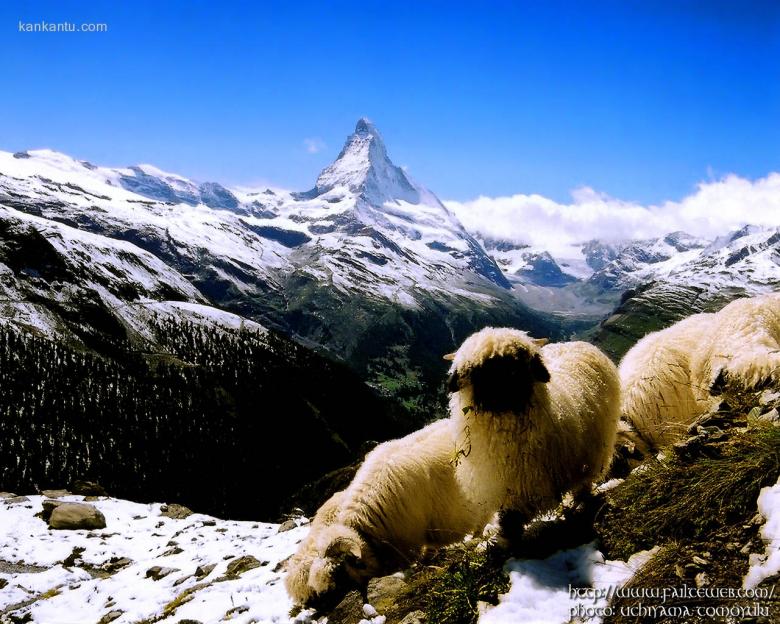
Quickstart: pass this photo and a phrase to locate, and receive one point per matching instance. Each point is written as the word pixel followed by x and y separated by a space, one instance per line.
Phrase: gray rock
pixel 158 572
pixel 772 417
pixel 174 511
pixel 383 591
pixel 88 488
pixel 15 500
pixel 116 563
pixel 4 495
pixel 55 493
pixel 110 617
pixel 48 506
pixel 415 617
pixel 238 566
pixel 287 525
pixel 3 583
pixel 73 516
pixel 202 571
pixel 349 610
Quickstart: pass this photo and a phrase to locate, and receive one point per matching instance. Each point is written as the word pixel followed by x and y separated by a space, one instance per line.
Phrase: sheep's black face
pixel 503 383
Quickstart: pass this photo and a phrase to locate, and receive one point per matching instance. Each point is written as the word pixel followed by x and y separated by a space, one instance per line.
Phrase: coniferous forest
pixel 228 422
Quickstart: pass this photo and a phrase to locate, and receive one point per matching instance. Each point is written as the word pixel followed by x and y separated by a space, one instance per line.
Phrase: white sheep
pixel 669 377
pixel 531 423
pixel 403 499
pixel 742 349
pixel 660 396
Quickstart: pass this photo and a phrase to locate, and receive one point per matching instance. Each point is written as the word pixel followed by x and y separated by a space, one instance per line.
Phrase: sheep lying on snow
pixel 659 396
pixel 531 423
pixel 743 348
pixel 669 376
pixel 403 498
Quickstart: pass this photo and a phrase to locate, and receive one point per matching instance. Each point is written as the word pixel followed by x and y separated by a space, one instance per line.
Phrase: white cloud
pixel 714 209
pixel 314 145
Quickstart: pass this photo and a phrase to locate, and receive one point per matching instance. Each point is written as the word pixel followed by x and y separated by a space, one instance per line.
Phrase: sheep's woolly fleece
pixel 405 494
pixel 659 397
pixel 563 443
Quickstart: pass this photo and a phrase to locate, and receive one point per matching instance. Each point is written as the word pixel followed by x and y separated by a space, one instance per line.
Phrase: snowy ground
pixel 764 565
pixel 32 556
pixel 138 532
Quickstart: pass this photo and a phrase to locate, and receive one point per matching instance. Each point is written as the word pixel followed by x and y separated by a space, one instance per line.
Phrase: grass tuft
pixel 675 499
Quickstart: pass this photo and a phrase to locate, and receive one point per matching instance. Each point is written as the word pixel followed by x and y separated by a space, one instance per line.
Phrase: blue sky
pixel 637 99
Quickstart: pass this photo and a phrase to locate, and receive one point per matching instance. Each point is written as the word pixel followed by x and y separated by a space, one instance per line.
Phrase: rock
pixel 772 417
pixel 73 516
pixel 383 591
pixel 110 617
pixel 88 488
pixel 116 563
pixel 702 579
pixel 157 572
pixel 238 566
pixel 54 493
pixel 3 583
pixel 49 506
pixel 202 571
pixel 15 500
pixel 349 610
pixel 175 511
pixel 4 495
pixel 287 525
pixel 189 622
pixel 415 617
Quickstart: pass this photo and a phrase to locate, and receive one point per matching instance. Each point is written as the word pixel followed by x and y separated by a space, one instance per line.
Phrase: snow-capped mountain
pixel 740 264
pixel 365 227
pixel 366 262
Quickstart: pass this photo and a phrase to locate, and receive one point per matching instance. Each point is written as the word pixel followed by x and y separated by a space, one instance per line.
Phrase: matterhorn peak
pixel 364 168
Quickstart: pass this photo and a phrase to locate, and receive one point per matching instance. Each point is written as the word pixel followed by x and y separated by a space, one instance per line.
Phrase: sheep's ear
pixel 540 342
pixel 539 370
pixel 449 357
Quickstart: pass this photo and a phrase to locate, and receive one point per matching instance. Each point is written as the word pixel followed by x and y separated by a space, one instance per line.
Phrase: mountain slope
pixel 741 264
pixel 367 264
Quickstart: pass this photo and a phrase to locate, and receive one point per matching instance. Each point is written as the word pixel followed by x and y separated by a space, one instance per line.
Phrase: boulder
pixel 73 516
pixel 349 610
pixel 415 617
pixel 242 564
pixel 287 525
pixel 15 500
pixel 174 511
pixel 110 617
pixel 158 572
pixel 88 488
pixel 383 591
pixel 54 493
pixel 48 506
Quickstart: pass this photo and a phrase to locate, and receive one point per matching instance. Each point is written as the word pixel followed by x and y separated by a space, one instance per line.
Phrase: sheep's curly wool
pixel 742 348
pixel 660 396
pixel 403 499
pixel 545 426
pixel 669 377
